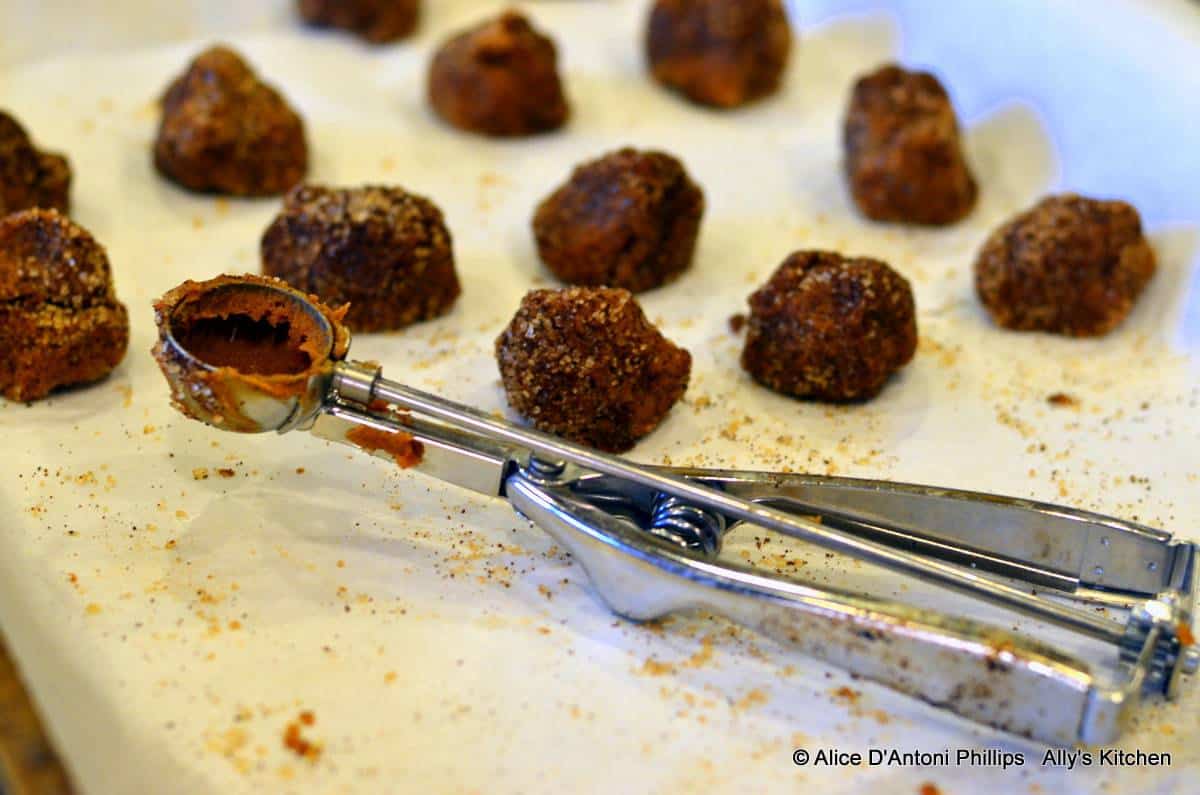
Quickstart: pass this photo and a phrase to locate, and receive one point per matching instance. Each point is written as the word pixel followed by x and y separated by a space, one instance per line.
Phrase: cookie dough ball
pixel 500 79
pixel 584 363
pixel 384 251
pixel 830 327
pixel 1070 265
pixel 377 21
pixel 225 131
pixel 629 219
pixel 60 320
pixel 903 155
pixel 722 53
pixel 28 176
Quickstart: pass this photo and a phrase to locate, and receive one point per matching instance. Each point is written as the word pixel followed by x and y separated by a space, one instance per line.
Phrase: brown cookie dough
pixel 629 219
pixel 903 155
pixel 28 176
pixel 377 21
pixel 1070 265
pixel 500 79
pixel 829 327
pixel 60 320
pixel 722 53
pixel 384 251
pixel 225 131
pixel 586 364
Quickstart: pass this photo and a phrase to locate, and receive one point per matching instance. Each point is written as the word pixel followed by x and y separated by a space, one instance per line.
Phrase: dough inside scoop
pixel 245 344
pixel 253 331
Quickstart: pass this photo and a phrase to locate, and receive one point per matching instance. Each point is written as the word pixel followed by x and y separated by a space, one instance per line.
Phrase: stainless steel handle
pixel 975 670
pixel 362 384
pixel 1042 693
pixel 1095 557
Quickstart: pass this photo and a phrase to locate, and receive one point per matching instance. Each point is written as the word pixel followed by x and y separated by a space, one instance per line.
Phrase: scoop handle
pixel 363 385
pixel 975 670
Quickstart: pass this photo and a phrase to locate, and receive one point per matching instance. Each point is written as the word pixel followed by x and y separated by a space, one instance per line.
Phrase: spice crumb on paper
pixel 1063 400
pixel 294 741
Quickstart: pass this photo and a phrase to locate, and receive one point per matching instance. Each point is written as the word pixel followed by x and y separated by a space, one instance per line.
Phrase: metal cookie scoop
pixel 250 354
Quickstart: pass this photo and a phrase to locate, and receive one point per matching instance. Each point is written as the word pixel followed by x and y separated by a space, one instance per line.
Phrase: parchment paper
pixel 177 596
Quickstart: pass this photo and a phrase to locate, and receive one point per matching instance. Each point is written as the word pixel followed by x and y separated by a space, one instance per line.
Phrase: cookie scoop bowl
pixel 248 354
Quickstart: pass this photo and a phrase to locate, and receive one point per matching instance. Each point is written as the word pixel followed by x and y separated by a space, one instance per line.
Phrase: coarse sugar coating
pixel 30 177
pixel 830 327
pixel 629 219
pixel 60 320
pixel 722 53
pixel 377 21
pixel 384 251
pixel 586 364
pixel 499 78
pixel 225 131
pixel 1069 265
pixel 903 155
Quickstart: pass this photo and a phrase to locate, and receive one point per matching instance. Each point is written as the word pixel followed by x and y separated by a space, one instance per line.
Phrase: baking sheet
pixel 173 627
